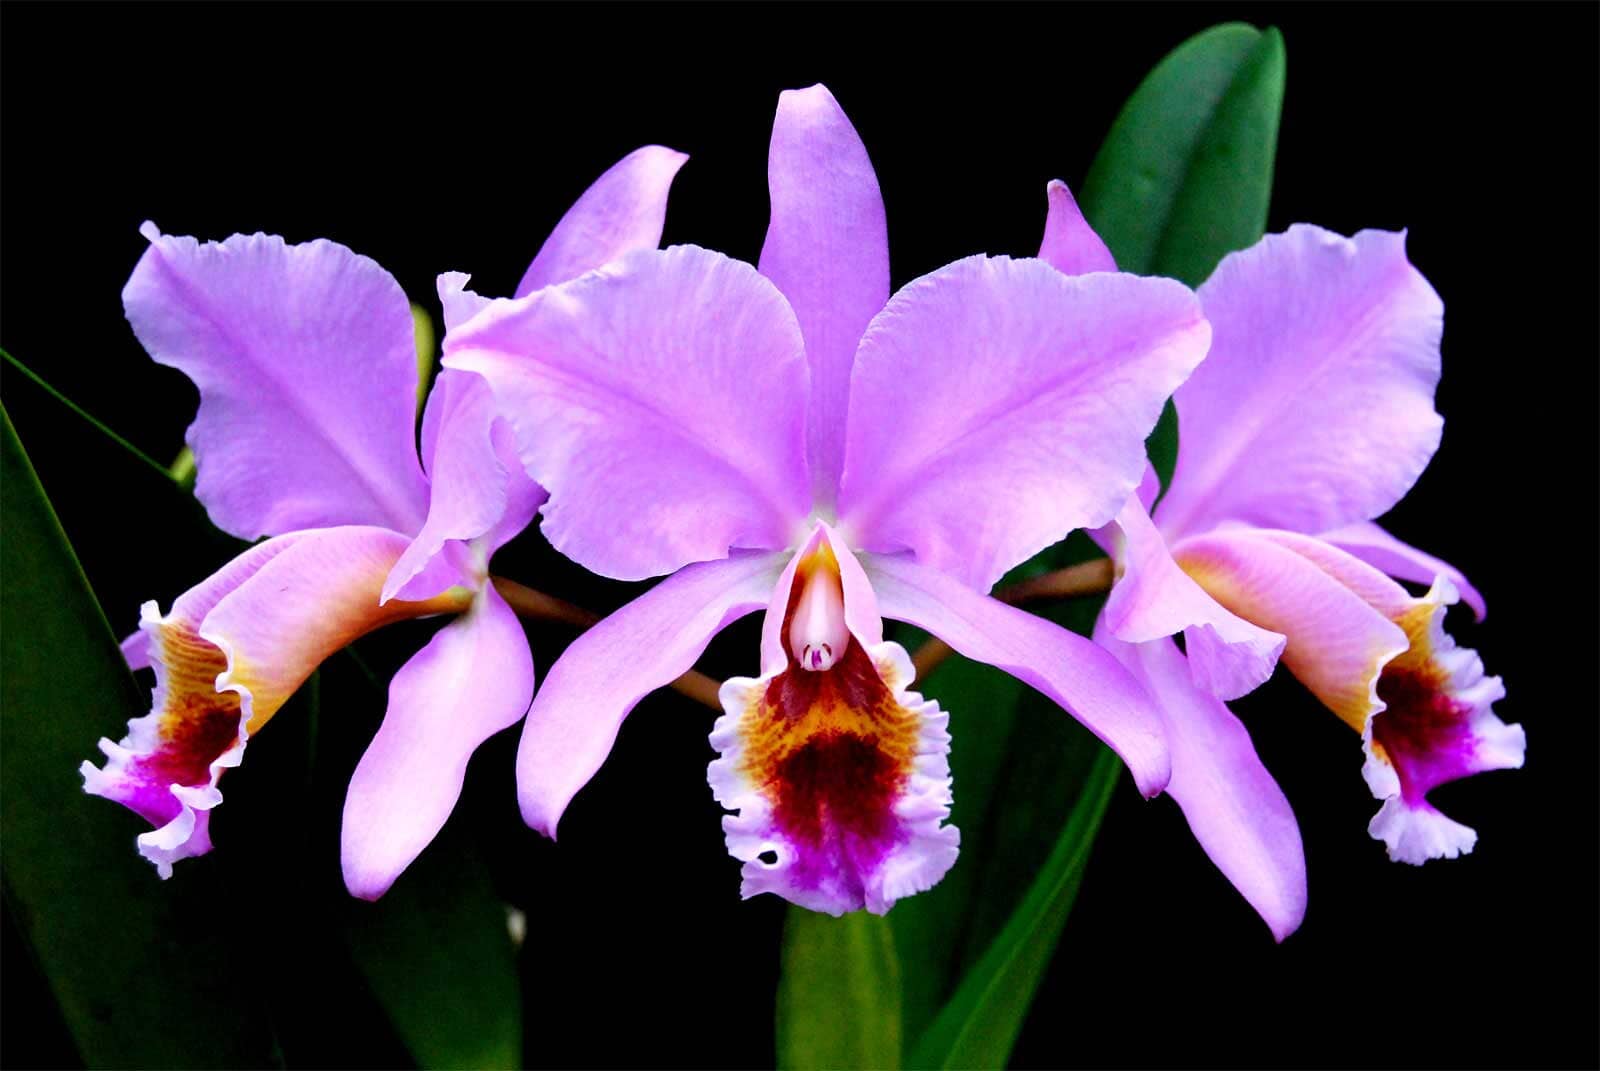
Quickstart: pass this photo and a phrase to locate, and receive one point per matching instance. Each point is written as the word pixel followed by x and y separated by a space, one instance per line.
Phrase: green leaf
pixel 839 993
pixel 141 969
pixel 438 956
pixel 1185 174
pixel 979 1025
pixel 933 928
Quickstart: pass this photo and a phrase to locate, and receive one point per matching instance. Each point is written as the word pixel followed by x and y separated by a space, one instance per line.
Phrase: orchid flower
pixel 793 439
pixel 306 432
pixel 1311 415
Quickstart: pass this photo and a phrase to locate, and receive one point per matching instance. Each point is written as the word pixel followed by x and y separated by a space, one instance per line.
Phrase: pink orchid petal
pixel 1337 642
pixel 473 679
pixel 1070 245
pixel 136 650
pixel 997 404
pixel 827 249
pixel 594 685
pixel 1314 408
pixel 475 486
pixel 1227 655
pixel 1234 807
pixel 1085 680
pixel 228 655
pixel 661 400
pixel 622 211
pixel 319 595
pixel 1380 549
pixel 307 369
pixel 457 303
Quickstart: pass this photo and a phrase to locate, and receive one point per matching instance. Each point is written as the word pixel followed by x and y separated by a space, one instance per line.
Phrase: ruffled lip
pixel 837 807
pixel 169 765
pixel 1436 724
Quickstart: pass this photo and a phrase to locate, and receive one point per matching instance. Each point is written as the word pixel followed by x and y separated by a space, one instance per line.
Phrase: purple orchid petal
pixel 1036 391
pixel 1314 408
pixel 827 249
pixel 1434 721
pixel 1152 598
pixel 1108 537
pixel 622 211
pixel 1070 245
pixel 307 369
pixel 675 382
pixel 599 679
pixel 457 302
pixel 1380 549
pixel 227 656
pixel 473 679
pixel 476 486
pixel 1072 671
pixel 1234 807
pixel 839 776
pixel 1337 642
pixel 136 650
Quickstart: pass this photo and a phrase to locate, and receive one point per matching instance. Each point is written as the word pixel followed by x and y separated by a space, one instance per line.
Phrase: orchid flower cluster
pixel 791 437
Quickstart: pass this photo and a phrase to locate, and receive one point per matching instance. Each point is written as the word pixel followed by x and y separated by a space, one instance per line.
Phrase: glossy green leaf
pixel 142 969
pixel 1185 174
pixel 979 1025
pixel 839 993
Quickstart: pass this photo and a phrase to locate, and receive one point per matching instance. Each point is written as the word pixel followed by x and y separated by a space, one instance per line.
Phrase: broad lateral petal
pixel 1337 644
pixel 307 369
pixel 1033 392
pixel 473 679
pixel 1314 408
pixel 1070 245
pixel 1378 548
pixel 661 400
pixel 1085 680
pixel 623 210
pixel 226 657
pixel 470 484
pixel 1236 810
pixel 827 249
pixel 599 679
pixel 1227 655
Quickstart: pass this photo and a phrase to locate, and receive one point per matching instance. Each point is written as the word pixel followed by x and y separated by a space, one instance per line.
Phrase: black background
pixel 438 138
